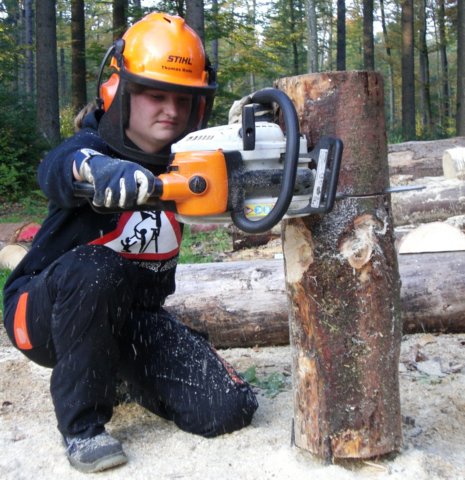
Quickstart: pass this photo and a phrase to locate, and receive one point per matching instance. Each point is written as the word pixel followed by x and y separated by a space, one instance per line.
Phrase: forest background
pixel 51 52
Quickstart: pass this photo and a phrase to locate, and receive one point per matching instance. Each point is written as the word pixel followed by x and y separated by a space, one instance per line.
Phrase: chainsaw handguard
pixel 327 156
pixel 238 215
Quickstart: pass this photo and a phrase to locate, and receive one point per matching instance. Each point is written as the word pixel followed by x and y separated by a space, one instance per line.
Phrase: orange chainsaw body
pixel 197 182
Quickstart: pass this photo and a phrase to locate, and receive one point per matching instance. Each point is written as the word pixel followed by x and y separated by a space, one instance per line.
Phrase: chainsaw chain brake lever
pixel 327 156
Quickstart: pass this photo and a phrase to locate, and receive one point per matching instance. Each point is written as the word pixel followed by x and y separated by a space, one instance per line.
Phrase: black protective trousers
pixel 86 319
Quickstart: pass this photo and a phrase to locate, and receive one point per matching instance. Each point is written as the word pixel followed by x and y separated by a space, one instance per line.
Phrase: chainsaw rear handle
pixel 238 215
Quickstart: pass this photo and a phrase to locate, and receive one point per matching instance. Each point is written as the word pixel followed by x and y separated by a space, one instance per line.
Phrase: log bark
pixel 420 159
pixel 342 280
pixel 238 304
pixel 441 199
pixel 244 304
pixel 433 296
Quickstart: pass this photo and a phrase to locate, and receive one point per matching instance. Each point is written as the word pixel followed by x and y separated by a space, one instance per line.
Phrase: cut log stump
pixel 343 282
pixel 453 163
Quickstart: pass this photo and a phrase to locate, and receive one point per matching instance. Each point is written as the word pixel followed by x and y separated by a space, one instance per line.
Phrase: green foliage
pixel 272 384
pixel 204 247
pixel 20 147
pixel 67 115
pixel 395 136
pixel 284 39
pixel 3 277
pixel 30 208
pixel 258 42
pixel 9 53
pixel 9 178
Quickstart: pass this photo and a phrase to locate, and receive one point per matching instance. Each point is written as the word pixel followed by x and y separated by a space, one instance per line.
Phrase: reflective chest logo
pixel 144 236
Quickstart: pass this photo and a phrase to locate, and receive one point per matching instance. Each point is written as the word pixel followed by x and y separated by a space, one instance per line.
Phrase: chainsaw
pixel 250 173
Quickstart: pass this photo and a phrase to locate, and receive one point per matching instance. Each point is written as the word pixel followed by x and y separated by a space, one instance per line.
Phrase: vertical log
pixel 342 280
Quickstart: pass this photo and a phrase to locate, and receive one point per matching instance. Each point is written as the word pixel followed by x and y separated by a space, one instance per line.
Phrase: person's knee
pixel 239 414
pixel 228 413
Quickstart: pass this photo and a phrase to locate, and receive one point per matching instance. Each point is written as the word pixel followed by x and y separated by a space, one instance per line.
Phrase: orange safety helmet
pixel 162 52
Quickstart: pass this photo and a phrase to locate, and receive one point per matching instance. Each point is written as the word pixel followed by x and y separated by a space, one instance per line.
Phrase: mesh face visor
pixel 114 122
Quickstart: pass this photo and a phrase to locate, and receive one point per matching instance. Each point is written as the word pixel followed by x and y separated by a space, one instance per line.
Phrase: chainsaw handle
pixel 83 190
pixel 86 190
pixel 264 97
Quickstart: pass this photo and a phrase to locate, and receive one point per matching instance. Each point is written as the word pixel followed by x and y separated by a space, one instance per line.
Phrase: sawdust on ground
pixel 432 382
pixel 432 378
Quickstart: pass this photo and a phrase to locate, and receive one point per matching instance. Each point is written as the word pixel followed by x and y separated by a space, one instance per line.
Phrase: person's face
pixel 157 118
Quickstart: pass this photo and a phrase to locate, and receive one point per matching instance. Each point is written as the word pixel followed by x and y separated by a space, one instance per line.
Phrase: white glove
pixel 262 112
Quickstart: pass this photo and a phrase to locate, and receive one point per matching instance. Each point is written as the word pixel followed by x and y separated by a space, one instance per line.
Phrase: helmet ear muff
pixel 106 91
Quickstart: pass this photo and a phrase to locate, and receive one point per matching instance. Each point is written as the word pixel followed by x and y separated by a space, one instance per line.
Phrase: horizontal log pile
pixel 243 304
pixel 439 200
pixel 420 159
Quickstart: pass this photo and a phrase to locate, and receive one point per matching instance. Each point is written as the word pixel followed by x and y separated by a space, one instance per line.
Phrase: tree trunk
pixel 120 9
pixel 460 119
pixel 390 67
pixel 312 37
pixel 342 280
pixel 294 41
pixel 78 56
pixel 330 43
pixel 453 163
pixel 408 72
pixel 433 299
pixel 444 63
pixel 420 159
pixel 238 304
pixel 63 84
pixel 368 41
pixel 29 21
pixel 215 41
pixel 48 118
pixel 426 117
pixel 341 35
pixel 195 17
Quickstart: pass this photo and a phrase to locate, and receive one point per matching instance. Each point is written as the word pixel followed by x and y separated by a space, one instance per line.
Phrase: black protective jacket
pixel 150 238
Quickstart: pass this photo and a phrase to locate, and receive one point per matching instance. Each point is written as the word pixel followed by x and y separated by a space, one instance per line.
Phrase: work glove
pixel 117 183
pixel 262 112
